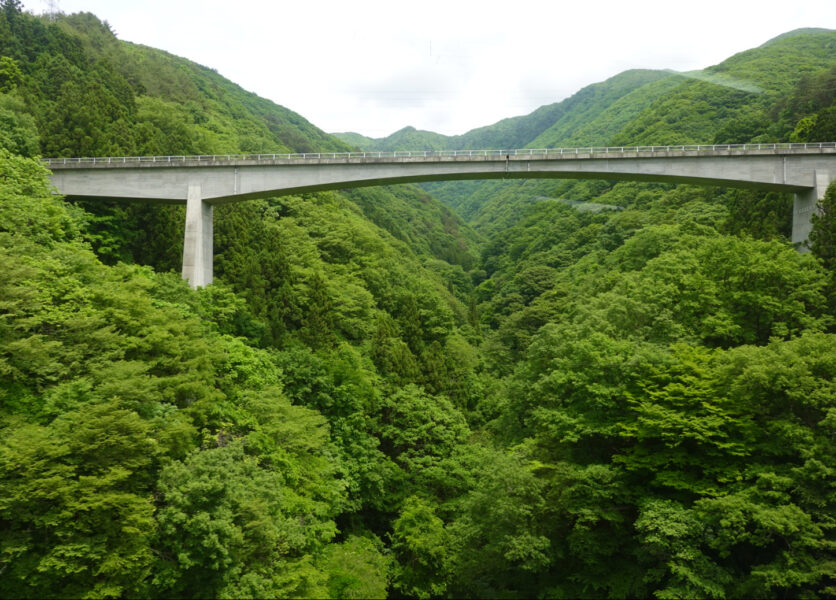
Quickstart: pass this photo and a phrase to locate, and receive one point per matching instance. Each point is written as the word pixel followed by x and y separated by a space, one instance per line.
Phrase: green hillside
pixel 355 139
pixel 755 96
pixel 780 91
pixel 349 305
pixel 547 122
pixel 142 101
pixel 373 400
pixel 407 138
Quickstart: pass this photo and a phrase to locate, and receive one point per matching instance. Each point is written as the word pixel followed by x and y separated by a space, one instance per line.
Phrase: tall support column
pixel 197 244
pixel 804 207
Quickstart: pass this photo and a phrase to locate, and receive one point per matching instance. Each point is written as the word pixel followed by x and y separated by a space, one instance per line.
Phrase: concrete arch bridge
pixel 200 182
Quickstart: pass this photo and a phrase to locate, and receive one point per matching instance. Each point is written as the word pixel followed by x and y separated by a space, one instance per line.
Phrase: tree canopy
pixel 482 389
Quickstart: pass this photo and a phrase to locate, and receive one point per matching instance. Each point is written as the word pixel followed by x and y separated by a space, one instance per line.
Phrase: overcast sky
pixel 445 65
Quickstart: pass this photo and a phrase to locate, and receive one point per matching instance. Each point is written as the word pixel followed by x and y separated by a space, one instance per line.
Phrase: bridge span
pixel 200 182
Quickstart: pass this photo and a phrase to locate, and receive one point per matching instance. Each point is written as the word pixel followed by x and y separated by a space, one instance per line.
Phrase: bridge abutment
pixel 805 205
pixel 198 243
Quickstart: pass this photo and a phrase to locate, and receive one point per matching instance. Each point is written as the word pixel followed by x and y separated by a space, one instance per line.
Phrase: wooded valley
pixel 504 389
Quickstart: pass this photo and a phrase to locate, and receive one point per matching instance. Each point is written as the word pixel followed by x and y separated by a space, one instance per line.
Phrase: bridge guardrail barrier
pixel 210 158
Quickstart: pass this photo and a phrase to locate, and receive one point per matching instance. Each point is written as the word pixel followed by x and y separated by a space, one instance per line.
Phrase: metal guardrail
pixel 210 158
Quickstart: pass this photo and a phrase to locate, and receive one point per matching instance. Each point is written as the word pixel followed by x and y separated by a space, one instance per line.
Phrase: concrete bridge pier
pixel 805 206
pixel 197 244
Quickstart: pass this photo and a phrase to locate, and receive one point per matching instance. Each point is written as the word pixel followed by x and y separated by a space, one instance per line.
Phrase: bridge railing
pixel 213 158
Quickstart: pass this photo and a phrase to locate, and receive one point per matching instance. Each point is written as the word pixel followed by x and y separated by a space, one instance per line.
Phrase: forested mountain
pixel 374 400
pixel 516 132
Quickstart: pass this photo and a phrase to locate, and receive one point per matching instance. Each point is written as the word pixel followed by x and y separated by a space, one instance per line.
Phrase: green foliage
pixel 420 429
pixel 628 393
pixel 502 549
pixel 192 417
pixel 596 113
pixel 10 74
pixel 357 569
pixel 420 544
pixel 412 217
pixel 540 129
pixel 762 216
pixel 823 235
pixel 18 133
pixel 232 527
pixel 76 516
pixel 695 444
pixel 823 240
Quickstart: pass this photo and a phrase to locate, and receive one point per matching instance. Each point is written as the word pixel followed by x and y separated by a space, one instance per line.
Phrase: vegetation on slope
pixel 554 121
pixel 627 403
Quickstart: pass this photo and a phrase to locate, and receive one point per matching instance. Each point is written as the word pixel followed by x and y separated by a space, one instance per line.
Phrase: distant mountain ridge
pixel 515 132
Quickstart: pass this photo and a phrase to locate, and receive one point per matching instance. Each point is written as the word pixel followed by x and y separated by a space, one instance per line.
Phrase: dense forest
pixel 466 389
